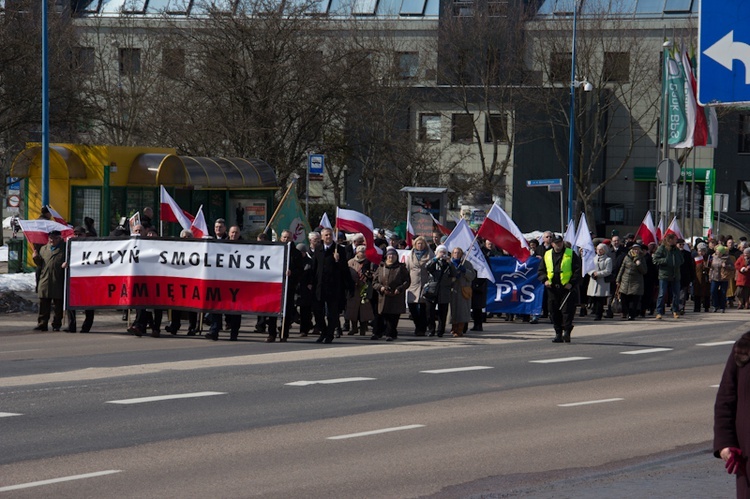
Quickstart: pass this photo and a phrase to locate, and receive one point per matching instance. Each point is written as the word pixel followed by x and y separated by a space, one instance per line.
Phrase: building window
pixel 496 126
pixel 130 61
pixel 408 64
pixel 173 62
pixel 463 8
pixel 429 127
pixel 462 128
pixel 744 135
pixel 744 195
pixel 559 67
pixel 617 67
pixel 82 60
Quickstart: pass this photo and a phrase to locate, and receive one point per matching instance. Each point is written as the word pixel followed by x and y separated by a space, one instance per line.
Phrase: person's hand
pixel 336 256
pixel 734 462
pixel 568 286
pixel 64 265
pixel 547 284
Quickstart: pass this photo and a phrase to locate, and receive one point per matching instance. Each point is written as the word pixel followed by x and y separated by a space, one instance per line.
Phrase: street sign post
pixel 552 185
pixel 724 52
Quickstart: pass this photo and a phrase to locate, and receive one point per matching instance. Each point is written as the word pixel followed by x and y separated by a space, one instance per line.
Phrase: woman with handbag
pixel 598 289
pixel 442 274
pixel 461 293
pixel 630 285
pixel 416 264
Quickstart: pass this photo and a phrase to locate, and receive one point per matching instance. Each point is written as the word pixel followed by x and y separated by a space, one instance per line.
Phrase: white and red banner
pixel 188 274
pixel 198 227
pixel 37 231
pixel 356 222
pixel 170 211
pixel 505 234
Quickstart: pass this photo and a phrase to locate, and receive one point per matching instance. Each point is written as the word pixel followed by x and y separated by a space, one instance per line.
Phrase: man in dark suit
pixel 332 283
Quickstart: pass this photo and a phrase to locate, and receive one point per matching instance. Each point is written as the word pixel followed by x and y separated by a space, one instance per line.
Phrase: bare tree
pixel 620 111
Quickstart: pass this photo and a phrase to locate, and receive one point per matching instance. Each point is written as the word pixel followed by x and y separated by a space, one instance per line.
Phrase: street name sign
pixel 724 52
pixel 544 182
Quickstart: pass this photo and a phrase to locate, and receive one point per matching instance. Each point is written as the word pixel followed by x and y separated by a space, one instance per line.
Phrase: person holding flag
pixel 51 259
pixel 560 271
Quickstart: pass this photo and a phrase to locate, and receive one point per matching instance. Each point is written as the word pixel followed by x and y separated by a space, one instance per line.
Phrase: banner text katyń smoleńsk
pixel 176 274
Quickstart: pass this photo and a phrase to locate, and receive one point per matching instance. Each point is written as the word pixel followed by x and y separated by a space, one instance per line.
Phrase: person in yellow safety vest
pixel 560 271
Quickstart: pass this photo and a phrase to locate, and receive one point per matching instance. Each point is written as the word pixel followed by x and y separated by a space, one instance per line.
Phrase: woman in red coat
pixel 742 276
pixel 732 415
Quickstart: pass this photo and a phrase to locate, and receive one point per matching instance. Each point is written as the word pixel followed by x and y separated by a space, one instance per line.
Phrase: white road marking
pixel 57 480
pixel 589 402
pixel 456 369
pixel 646 350
pixel 376 432
pixel 715 344
pixel 562 359
pixel 714 386
pixel 9 414
pixel 328 381
pixel 164 397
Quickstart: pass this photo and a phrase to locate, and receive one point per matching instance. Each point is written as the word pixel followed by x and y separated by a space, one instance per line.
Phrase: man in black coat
pixel 332 283
pixel 293 275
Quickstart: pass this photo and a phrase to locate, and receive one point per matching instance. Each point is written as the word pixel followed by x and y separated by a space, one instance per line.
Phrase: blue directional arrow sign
pixel 724 52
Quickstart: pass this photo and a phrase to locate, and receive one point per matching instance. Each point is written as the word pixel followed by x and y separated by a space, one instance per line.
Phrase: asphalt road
pixel 623 411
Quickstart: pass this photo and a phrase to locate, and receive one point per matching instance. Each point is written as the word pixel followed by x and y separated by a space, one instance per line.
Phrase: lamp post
pixel 572 113
pixel 45 108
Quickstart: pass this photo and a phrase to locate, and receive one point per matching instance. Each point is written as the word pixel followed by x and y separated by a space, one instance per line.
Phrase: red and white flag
pixel 674 228
pixel 324 222
pixel 442 228
pixel 56 216
pixel 504 234
pixel 706 133
pixel 37 231
pixel 646 231
pixel 354 221
pixel 171 211
pixel 410 236
pixel 660 231
pixel 199 227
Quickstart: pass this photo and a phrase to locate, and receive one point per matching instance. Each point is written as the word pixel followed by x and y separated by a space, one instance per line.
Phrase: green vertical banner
pixel 708 204
pixel 676 114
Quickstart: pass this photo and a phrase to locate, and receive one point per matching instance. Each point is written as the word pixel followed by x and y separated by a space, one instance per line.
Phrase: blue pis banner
pixel 517 289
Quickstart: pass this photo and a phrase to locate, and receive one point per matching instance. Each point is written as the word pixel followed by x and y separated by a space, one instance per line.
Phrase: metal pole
pixel 307 191
pixel 684 195
pixel 562 213
pixel 45 108
pixel 105 224
pixel 692 203
pixel 572 113
pixel 665 125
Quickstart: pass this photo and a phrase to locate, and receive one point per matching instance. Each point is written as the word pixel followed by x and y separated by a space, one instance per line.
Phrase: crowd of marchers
pixel 335 289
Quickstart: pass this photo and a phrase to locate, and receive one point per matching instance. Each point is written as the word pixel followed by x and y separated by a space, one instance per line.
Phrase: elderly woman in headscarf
pixel 599 289
pixel 461 293
pixel 742 276
pixel 358 307
pixel 443 273
pixel 721 271
pixel 391 281
pixel 416 264
pixel 701 283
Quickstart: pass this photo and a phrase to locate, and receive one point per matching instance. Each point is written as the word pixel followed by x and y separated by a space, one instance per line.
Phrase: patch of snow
pixel 18 282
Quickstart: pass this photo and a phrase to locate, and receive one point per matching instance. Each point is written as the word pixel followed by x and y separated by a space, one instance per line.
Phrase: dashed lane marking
pixel 159 398
pixel 57 480
pixel 646 350
pixel 561 359
pixel 376 432
pixel 715 344
pixel 328 381
pixel 9 414
pixel 456 369
pixel 590 402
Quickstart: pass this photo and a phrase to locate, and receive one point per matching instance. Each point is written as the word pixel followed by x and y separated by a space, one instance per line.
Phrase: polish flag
pixel 504 234
pixel 674 228
pixel 171 211
pixel 410 236
pixel 442 228
pixel 646 231
pixel 354 221
pixel 37 231
pixel 57 217
pixel 199 227
pixel 660 231
pixel 324 222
